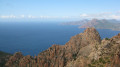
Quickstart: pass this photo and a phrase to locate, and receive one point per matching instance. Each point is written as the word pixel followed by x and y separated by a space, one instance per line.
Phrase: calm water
pixel 33 37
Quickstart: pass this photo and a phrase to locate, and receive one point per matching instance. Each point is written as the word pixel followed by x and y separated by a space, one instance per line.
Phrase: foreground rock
pixel 4 57
pixel 83 50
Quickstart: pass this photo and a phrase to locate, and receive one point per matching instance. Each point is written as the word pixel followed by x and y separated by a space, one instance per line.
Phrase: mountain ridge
pixel 83 50
pixel 97 23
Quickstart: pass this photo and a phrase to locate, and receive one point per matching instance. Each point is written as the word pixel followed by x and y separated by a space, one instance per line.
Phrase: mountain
pixel 81 22
pixel 98 24
pixel 102 24
pixel 82 50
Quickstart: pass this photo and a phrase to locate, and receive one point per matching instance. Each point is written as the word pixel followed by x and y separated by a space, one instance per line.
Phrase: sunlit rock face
pixel 82 50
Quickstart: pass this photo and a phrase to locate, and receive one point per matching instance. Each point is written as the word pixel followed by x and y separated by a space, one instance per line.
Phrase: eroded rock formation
pixel 83 50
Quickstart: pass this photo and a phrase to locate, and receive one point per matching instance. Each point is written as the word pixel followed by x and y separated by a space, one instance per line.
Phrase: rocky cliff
pixel 83 50
pixel 4 57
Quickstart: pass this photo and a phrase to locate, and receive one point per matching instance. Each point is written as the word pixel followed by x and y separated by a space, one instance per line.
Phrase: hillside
pixel 3 58
pixel 102 24
pixel 98 24
pixel 83 50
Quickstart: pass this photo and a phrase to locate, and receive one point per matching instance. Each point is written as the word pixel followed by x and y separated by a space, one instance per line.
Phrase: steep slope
pixel 102 24
pixel 107 54
pixel 91 23
pixel 97 23
pixel 82 50
pixel 4 57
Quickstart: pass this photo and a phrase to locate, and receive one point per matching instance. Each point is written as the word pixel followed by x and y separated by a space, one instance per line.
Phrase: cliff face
pixel 4 57
pixel 83 50
pixel 105 54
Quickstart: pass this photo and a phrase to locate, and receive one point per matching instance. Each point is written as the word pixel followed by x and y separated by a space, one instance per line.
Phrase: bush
pixel 101 60
pixel 107 39
pixel 101 66
pixel 74 56
pixel 89 65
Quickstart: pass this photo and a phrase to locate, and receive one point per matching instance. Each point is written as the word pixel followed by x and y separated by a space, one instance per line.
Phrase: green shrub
pixel 89 65
pixel 101 60
pixel 107 39
pixel 101 66
pixel 74 56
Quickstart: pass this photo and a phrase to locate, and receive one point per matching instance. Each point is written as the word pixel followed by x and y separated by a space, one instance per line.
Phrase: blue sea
pixel 31 38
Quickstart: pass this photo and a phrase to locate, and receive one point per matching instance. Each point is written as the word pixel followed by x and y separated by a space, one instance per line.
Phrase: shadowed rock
pixel 80 51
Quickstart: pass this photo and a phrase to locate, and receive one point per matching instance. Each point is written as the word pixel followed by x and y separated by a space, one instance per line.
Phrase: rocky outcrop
pixel 78 42
pixel 14 60
pixel 83 50
pixel 106 54
pixel 4 57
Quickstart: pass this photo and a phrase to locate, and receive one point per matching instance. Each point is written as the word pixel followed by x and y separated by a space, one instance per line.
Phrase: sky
pixel 38 10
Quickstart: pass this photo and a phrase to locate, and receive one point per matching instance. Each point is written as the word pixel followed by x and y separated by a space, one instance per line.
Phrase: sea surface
pixel 31 38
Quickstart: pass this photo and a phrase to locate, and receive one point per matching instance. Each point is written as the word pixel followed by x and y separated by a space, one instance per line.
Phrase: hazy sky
pixel 17 10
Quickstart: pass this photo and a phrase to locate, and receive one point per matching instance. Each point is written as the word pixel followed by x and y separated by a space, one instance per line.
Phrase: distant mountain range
pixel 96 23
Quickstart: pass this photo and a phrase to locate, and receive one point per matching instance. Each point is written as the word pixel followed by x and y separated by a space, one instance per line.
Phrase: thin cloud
pixel 30 16
pixel 83 15
pixel 7 16
pixel 115 17
pixel 118 12
pixel 103 15
pixel 22 16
